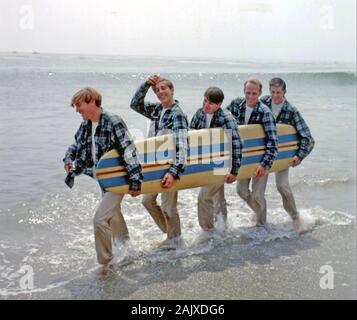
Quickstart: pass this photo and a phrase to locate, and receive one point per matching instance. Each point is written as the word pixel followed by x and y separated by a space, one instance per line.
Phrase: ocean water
pixel 47 227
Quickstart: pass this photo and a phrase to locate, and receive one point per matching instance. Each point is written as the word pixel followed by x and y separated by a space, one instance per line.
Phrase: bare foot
pixel 204 237
pixel 299 228
pixel 171 244
pixel 254 220
pixel 105 270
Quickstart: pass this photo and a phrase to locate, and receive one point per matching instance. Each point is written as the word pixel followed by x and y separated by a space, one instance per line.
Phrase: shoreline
pixel 280 269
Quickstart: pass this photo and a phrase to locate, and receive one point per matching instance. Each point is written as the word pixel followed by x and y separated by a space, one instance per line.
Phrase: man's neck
pixel 96 115
pixel 168 104
pixel 278 103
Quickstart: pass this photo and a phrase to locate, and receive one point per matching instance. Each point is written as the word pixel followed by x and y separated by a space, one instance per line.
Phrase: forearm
pixel 271 150
pixel 129 153
pixel 181 146
pixel 138 101
pixel 237 147
pixel 306 146
pixel 270 154
pixel 306 140
pixel 70 154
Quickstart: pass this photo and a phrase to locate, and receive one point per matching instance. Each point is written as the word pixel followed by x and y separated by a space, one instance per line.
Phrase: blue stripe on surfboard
pixel 288 138
pixel 191 169
pixel 157 175
pixel 194 151
pixel 164 155
pixel 257 158
pixel 251 143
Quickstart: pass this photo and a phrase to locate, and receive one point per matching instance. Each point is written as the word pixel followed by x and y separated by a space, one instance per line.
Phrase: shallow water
pixel 48 227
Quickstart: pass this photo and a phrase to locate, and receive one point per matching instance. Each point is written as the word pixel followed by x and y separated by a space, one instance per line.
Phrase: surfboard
pixel 208 160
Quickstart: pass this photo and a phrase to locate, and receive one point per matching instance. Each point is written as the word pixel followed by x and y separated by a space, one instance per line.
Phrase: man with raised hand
pixel 167 117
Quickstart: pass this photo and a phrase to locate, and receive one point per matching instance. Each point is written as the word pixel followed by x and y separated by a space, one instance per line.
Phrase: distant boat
pixel 35 52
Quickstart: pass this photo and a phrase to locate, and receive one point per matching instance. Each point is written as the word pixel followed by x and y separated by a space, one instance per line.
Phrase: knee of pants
pixel 284 189
pixel 257 198
pixel 100 219
pixel 202 199
pixel 99 222
pixel 147 202
pixel 169 211
pixel 244 194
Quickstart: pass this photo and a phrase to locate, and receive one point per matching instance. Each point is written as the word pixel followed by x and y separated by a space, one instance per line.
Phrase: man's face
pixel 252 93
pixel 277 94
pixel 85 109
pixel 210 107
pixel 164 93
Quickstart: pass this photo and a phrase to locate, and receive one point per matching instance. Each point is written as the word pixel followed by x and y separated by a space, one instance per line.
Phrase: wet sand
pixel 279 269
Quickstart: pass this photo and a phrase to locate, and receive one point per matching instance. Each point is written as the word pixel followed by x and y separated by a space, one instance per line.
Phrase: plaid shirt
pixel 173 121
pixel 111 133
pixel 290 115
pixel 260 115
pixel 222 119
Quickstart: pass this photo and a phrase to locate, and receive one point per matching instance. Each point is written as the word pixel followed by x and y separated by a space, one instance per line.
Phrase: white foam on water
pixel 67 250
pixel 322 182
pixel 5 292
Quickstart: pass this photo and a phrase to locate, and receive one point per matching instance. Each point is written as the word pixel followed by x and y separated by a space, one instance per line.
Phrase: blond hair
pixel 254 81
pixel 87 95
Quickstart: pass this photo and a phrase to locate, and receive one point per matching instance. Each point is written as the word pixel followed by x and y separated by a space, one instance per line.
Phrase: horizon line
pixel 181 57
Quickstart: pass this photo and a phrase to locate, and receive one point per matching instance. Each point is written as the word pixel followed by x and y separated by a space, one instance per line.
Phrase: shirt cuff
pixel 134 185
pixel 176 170
pixel 67 160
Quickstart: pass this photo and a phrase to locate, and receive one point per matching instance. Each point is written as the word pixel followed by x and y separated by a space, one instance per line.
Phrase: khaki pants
pixel 166 215
pixel 206 205
pixel 220 203
pixel 108 223
pixel 282 184
pixel 255 198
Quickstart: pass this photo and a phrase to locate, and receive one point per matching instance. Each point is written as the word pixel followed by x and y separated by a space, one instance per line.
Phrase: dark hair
pixel 214 94
pixel 277 82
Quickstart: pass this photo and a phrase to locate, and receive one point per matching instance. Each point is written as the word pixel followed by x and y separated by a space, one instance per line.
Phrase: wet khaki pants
pixel 166 216
pixel 220 203
pixel 208 200
pixel 255 198
pixel 108 223
pixel 282 184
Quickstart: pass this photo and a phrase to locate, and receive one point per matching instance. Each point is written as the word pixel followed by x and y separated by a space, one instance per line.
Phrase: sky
pixel 294 30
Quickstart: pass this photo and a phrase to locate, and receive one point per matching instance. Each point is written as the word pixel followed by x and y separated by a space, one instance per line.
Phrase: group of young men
pixel 101 131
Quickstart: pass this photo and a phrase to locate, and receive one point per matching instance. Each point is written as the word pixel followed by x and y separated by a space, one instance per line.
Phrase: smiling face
pixel 87 102
pixel 252 93
pixel 165 94
pixel 277 94
pixel 87 110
